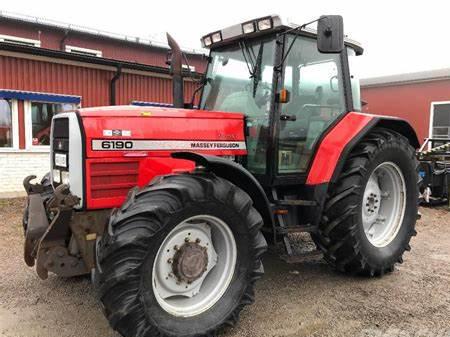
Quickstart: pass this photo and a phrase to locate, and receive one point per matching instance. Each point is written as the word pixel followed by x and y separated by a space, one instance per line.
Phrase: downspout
pixel 62 43
pixel 112 85
pixel 176 72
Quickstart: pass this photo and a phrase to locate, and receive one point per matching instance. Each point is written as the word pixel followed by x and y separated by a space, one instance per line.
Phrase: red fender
pixel 333 144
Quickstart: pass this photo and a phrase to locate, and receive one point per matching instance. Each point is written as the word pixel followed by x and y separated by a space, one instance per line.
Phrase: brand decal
pixel 220 145
pixel 164 145
pixel 116 133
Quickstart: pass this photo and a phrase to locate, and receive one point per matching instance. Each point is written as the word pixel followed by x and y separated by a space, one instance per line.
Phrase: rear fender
pixel 391 123
pixel 237 175
pixel 341 139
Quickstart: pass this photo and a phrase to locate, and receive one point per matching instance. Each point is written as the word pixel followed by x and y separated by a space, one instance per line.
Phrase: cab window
pixel 239 79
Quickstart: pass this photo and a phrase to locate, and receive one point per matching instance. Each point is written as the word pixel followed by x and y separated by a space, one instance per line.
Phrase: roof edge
pixel 407 78
pixel 92 59
pixel 54 24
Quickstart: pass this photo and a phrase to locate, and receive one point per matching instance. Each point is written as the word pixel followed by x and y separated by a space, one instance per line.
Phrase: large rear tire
pixel 371 211
pixel 180 257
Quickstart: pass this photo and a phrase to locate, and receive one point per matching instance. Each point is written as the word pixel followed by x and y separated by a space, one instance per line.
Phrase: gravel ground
pixel 305 299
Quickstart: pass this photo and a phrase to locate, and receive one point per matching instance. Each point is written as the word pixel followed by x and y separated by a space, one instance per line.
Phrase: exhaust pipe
pixel 176 65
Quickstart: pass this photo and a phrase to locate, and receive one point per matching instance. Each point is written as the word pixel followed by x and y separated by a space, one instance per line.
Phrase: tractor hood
pixel 119 131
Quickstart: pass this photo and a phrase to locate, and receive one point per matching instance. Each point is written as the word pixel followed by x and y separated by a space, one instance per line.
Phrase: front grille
pixel 61 128
pixel 60 140
pixel 113 178
pixel 60 145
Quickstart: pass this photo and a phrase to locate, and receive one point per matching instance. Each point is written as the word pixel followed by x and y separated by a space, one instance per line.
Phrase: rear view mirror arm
pixel 303 26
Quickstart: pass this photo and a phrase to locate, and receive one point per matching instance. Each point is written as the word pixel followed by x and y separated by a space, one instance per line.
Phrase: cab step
pixel 303 257
pixel 296 229
pixel 285 202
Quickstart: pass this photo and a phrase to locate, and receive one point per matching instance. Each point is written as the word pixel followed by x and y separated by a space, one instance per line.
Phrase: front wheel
pixel 180 257
pixel 371 211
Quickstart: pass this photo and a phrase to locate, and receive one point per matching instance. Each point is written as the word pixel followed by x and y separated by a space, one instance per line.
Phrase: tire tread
pixel 337 230
pixel 133 226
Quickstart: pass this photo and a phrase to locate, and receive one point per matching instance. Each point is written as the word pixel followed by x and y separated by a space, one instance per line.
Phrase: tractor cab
pixel 290 91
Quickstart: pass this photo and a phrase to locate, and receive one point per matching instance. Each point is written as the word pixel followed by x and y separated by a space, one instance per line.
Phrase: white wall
pixel 14 166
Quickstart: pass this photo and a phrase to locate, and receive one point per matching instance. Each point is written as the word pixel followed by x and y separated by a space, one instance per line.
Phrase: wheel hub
pixel 194 265
pixel 384 204
pixel 190 262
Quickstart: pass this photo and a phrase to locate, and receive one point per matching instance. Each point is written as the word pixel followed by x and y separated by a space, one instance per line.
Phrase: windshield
pixel 239 79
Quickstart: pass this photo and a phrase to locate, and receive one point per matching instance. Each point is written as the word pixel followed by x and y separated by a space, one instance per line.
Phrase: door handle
pixel 291 118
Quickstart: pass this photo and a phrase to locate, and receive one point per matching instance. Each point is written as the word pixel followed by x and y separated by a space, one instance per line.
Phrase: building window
pixel 188 67
pixel 20 40
pixel 40 116
pixel 83 51
pixel 440 120
pixel 8 124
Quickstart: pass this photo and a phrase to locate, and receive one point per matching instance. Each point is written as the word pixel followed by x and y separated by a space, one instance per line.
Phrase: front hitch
pixel 32 188
pixel 47 230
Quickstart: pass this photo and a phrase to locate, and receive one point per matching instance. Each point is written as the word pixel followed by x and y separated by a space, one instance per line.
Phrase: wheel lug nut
pixel 186 239
pixel 169 261
pixel 197 240
pixel 175 247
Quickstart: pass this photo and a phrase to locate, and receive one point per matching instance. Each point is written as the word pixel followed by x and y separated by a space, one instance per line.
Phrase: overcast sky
pixel 398 36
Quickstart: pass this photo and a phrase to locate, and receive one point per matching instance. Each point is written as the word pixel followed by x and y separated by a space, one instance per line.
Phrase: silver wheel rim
pixel 384 204
pixel 210 236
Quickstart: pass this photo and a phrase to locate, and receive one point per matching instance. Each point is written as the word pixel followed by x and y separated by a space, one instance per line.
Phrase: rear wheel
pixel 371 211
pixel 180 257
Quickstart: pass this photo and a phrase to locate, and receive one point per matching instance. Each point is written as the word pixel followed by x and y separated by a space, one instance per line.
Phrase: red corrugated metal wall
pixel 89 83
pixel 133 87
pixel 408 101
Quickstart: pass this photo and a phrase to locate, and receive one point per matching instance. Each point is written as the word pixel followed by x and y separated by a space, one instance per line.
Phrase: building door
pixel 440 120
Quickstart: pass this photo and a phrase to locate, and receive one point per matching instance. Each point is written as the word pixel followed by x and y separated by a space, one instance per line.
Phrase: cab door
pixel 315 81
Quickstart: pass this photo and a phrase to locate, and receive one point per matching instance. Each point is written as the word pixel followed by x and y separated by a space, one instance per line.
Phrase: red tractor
pixel 170 209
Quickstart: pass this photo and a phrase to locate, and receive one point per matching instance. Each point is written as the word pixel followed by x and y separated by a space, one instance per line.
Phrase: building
pixel 422 98
pixel 47 67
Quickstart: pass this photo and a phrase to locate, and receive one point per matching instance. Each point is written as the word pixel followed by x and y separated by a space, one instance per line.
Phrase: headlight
pixel 65 177
pixel 248 27
pixel 207 41
pixel 61 159
pixel 265 24
pixel 216 37
pixel 57 176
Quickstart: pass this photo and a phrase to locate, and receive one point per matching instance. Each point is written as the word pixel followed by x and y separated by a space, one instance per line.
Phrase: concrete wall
pixel 14 166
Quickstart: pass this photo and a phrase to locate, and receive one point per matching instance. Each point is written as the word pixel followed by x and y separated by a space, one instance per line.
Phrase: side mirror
pixel 330 34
